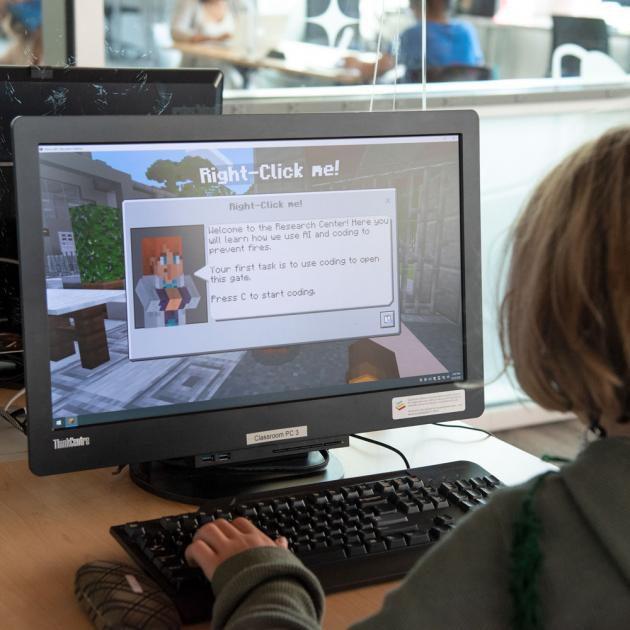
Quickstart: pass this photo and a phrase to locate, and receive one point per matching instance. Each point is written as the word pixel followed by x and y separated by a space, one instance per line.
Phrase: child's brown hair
pixel 565 318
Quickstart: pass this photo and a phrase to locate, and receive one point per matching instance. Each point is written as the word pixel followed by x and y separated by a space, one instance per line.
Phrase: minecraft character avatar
pixel 164 291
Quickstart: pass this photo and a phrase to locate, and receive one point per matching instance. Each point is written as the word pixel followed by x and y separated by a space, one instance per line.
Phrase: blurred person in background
pixel 200 21
pixel 22 22
pixel 205 22
pixel 449 43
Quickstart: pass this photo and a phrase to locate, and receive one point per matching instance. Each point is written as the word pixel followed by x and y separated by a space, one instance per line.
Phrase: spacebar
pixel 319 557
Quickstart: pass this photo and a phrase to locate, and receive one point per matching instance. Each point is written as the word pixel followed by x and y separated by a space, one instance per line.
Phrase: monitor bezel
pixel 143 440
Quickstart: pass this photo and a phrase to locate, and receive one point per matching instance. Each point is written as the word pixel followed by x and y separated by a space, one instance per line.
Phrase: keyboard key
pixel 409 507
pixel 395 542
pixel 322 557
pixel 417 538
pixel 336 542
pixel 425 505
pixel 389 519
pixel 401 528
pixel 374 546
pixel 247 511
pixel 157 551
pixel 446 487
pixel 384 487
pixel 438 500
pixel 167 562
pixel 355 550
pixel 204 519
pixel 189 524
pixel 434 533
pixel 415 483
pixel 134 530
pixel 169 524
pixel 351 495
pixel 334 497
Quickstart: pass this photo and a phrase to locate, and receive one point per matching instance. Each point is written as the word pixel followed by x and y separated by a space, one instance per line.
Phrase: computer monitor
pixel 248 287
pixel 47 91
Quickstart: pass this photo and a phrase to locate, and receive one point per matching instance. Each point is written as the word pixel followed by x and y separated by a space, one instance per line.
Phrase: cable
pixel 396 53
pixel 9 261
pixel 12 400
pixel 378 53
pixel 423 59
pixel 391 448
pixel 462 426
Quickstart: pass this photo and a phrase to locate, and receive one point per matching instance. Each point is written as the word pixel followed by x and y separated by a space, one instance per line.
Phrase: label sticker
pixel 405 407
pixel 134 585
pixel 276 434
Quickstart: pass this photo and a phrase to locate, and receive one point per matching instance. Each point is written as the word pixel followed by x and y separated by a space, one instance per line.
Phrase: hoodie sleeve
pixel 267 587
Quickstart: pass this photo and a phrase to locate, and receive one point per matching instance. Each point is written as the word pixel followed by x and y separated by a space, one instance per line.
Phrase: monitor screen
pixel 195 276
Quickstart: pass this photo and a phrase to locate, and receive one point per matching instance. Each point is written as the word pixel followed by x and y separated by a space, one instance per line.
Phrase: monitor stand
pixel 179 480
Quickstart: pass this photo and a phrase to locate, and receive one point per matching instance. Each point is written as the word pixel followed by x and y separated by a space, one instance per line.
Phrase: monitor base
pixel 177 481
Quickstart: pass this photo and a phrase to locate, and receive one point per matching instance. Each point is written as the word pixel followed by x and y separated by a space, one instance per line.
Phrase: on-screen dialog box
pixel 280 269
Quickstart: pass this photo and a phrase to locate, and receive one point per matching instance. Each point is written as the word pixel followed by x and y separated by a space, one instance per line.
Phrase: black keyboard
pixel 350 533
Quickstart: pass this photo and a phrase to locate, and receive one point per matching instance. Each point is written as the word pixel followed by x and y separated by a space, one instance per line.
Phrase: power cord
pixel 462 426
pixel 388 446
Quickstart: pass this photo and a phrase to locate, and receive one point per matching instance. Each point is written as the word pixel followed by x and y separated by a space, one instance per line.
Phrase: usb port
pixel 207 458
pixel 223 457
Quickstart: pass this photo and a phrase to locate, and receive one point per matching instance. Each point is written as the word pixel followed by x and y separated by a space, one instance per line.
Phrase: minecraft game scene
pixel 213 275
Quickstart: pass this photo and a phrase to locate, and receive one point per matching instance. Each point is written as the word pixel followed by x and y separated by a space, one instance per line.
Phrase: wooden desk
pixel 240 57
pixel 49 526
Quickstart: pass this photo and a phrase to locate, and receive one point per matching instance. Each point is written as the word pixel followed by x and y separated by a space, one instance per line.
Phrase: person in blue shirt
pixel 22 22
pixel 449 43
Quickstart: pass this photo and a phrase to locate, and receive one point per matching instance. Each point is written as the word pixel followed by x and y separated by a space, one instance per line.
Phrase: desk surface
pixel 240 57
pixel 49 526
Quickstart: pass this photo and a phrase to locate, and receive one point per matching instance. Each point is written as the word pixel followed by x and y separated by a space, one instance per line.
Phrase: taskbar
pixel 441 377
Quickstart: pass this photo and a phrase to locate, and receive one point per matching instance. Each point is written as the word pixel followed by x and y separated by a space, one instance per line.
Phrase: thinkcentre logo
pixel 71 442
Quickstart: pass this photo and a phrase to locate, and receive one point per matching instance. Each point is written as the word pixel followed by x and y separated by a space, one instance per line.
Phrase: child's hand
pixel 215 542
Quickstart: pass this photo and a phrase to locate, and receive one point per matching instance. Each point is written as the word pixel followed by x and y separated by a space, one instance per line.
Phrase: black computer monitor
pixel 248 287
pixel 47 91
